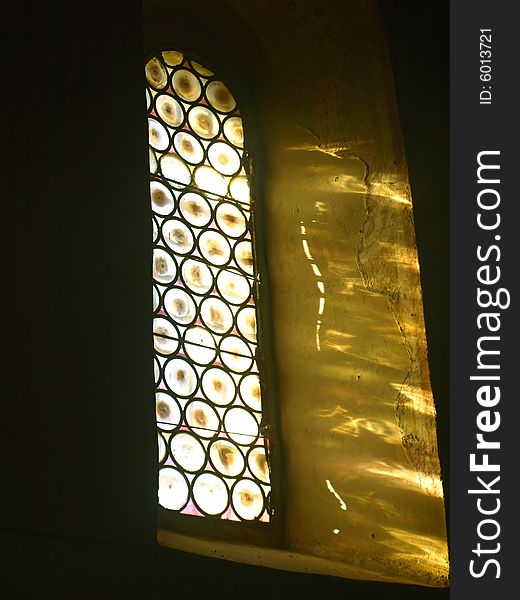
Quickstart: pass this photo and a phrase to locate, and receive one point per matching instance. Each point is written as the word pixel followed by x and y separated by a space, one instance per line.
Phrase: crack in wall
pixel 420 446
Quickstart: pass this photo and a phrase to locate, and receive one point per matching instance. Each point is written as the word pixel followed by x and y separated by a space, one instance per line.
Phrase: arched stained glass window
pixel 212 453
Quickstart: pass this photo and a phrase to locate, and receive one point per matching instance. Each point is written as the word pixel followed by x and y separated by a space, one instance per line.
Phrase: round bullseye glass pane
pixel 156 74
pixel 233 287
pixel 161 447
pixel 257 463
pixel 187 451
pixel 210 493
pixel 152 161
pixel 231 220
pixel 166 336
pixel 235 354
pixel 155 230
pixel 244 256
pixel 156 299
pixel 180 306
pixel 201 69
pixel 197 276
pixel 167 411
pixel 172 58
pixel 220 97
pixel 202 419
pixel 203 122
pixel 175 169
pixel 164 267
pixel 216 315
pixel 178 236
pixel 226 457
pixel 250 391
pixel 162 198
pixel 186 85
pixel 181 377
pixel 241 426
pixel 246 322
pixel 210 180
pixel 188 147
pixel 247 499
pixel 234 131
pixel 169 110
pixel 239 189
pixel 156 371
pixel 173 489
pixel 218 386
pixel 214 248
pixel 224 158
pixel 195 209
pixel 158 137
pixel 199 345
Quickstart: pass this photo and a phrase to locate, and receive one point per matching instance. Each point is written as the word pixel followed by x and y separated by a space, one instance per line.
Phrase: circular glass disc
pixel 166 337
pixel 175 169
pixel 202 419
pixel 164 267
pixel 244 256
pixel 161 447
pixel 172 58
pixel 186 85
pixel 187 451
pixel 178 236
pixel 197 276
pixel 162 198
pixel 241 426
pixel 169 110
pixel 188 147
pixel 235 354
pixel 250 391
pixel 180 306
pixel 218 386
pixel 214 248
pixel 231 220
pixel 152 161
pixel 226 458
pixel 224 158
pixel 239 189
pixel 180 377
pixel 199 345
pixel 195 209
pixel 203 122
pixel 156 74
pixel 220 97
pixel 173 489
pixel 234 132
pixel 200 69
pixel 158 137
pixel 257 463
pixel 167 411
pixel 248 500
pixel 246 322
pixel 210 180
pixel 210 493
pixel 156 299
pixel 216 315
pixel 233 287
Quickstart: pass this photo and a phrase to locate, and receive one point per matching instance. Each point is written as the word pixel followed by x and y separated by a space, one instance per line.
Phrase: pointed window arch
pixel 213 454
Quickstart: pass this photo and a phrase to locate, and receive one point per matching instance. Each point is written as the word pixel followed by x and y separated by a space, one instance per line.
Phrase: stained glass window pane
pixel 213 457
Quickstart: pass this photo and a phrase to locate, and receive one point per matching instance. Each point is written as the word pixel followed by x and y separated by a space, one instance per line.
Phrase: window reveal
pixel 213 457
